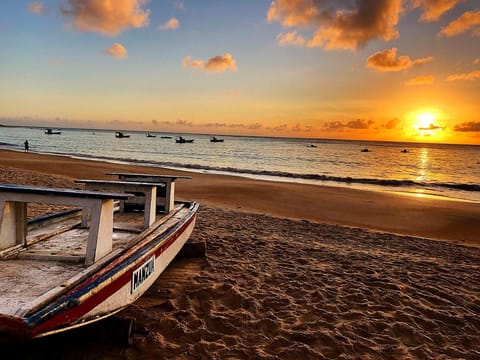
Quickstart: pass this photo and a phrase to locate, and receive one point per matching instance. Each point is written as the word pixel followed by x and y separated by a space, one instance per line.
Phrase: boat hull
pixel 114 286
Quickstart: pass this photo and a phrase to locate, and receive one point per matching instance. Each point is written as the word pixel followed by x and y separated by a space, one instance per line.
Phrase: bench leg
pixel 150 209
pixel 86 212
pixel 13 226
pixel 99 241
pixel 169 196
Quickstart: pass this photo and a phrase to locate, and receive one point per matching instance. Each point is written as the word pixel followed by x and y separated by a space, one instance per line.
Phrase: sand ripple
pixel 273 288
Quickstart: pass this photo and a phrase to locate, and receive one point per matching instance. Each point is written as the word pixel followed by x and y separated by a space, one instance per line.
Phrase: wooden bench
pixel 147 188
pixel 168 180
pixel 13 212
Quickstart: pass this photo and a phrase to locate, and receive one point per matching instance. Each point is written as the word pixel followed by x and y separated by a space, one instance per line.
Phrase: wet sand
pixel 418 216
pixel 280 282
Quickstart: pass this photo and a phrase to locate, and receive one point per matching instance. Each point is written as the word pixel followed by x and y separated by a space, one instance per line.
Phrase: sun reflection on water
pixel 423 165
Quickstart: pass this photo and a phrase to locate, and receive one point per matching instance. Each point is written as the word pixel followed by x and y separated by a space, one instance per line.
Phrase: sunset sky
pixel 402 70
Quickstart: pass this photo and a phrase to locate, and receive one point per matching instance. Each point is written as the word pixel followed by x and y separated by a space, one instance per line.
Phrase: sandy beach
pixel 293 272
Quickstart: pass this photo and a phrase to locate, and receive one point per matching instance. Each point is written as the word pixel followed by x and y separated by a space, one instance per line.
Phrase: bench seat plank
pixel 147 188
pixel 168 180
pixel 13 204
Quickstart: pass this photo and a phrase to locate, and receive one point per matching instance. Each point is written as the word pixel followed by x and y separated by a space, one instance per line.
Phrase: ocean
pixel 420 169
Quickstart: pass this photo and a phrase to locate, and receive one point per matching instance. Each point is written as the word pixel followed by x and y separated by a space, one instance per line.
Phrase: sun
pixel 425 121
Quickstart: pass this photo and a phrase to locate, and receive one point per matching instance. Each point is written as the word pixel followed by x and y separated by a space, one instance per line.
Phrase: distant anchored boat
pixel 150 135
pixel 365 150
pixel 214 139
pixel 52 132
pixel 182 140
pixel 121 135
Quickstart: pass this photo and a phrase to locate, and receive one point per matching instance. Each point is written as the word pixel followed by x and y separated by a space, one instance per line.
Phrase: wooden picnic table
pixel 13 212
pixel 149 189
pixel 168 180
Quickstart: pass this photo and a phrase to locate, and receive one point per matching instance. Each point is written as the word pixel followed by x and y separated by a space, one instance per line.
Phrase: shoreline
pixel 449 191
pixel 438 219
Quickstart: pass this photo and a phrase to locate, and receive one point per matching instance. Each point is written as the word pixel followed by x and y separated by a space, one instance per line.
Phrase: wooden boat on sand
pixel 72 268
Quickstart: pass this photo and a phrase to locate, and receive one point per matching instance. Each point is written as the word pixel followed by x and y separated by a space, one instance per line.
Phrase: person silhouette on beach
pixel 26 145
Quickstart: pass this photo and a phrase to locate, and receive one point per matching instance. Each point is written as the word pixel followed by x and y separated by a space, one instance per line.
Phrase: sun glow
pixel 425 121
pixel 427 124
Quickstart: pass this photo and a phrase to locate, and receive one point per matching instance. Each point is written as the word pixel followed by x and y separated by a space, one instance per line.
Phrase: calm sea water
pixel 429 169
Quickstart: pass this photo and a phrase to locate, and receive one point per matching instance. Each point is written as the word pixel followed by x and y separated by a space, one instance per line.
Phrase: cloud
pixel 188 61
pixel 472 75
pixel 434 9
pixel 36 7
pixel 339 24
pixel 171 24
pixel 290 38
pixel 420 80
pixel 216 64
pixel 468 20
pixel 476 61
pixel 392 124
pixel 387 61
pixel 432 126
pixel 108 17
pixel 118 51
pixel 182 122
pixel 358 124
pixel 468 126
pixel 221 63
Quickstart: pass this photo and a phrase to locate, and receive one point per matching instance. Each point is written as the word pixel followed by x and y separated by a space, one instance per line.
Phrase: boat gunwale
pixel 112 270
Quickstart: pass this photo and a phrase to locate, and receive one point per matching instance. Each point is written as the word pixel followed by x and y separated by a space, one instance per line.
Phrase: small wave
pixel 285 175
pixel 288 175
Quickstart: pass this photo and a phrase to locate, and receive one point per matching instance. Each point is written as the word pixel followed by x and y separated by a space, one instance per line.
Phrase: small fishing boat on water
pixel 69 269
pixel 121 135
pixel 215 139
pixel 52 132
pixel 182 140
pixel 150 135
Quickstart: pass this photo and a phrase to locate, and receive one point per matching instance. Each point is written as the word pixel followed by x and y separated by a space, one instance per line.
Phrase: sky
pixel 395 70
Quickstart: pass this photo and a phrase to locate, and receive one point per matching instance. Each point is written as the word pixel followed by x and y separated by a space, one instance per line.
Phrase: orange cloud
pixel 339 25
pixel 171 24
pixel 434 9
pixel 216 64
pixel 420 80
pixel 290 38
pixel 358 124
pixel 118 51
pixel 387 61
pixel 221 63
pixel 109 17
pixel 476 61
pixel 188 61
pixel 392 124
pixel 472 75
pixel 468 20
pixel 36 7
pixel 468 126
